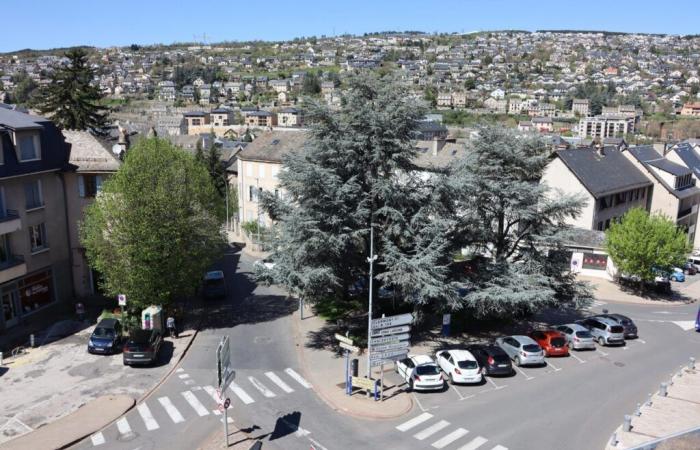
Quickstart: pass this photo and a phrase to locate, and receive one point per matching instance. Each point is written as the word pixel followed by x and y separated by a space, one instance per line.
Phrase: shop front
pixel 24 296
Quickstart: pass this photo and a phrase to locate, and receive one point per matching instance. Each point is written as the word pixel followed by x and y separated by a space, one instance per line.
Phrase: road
pixel 573 403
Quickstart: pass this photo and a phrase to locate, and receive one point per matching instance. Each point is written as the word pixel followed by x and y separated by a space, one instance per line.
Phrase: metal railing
pixel 11 261
pixel 8 214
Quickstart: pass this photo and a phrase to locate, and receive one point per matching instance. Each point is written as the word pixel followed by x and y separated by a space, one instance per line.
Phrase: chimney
pixel 123 140
pixel 437 145
pixel 600 149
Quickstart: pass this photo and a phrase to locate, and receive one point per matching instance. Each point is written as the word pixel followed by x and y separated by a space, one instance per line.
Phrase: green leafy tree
pixel 154 228
pixel 311 84
pixel 72 100
pixel 513 225
pixel 357 170
pixel 639 242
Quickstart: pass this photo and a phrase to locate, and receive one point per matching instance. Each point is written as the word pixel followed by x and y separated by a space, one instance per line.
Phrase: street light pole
pixel 257 186
pixel 370 260
pixel 228 225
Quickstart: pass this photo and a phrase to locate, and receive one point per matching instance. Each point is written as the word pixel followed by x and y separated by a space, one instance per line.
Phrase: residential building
pixel 601 127
pixel 196 118
pixel 605 178
pixel 35 263
pixel 289 117
pixel 166 91
pixel 543 124
pixel 90 164
pixel 221 117
pixel 261 119
pixel 690 109
pixel 580 107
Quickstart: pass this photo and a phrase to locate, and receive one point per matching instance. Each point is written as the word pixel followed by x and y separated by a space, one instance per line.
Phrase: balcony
pixel 686 212
pixel 12 267
pixel 9 221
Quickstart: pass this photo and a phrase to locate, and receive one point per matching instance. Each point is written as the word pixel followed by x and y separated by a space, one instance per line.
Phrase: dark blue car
pixel 697 321
pixel 106 337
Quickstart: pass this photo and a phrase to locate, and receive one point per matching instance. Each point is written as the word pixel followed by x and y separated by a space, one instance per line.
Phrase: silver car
pixel 605 331
pixel 577 336
pixel 523 350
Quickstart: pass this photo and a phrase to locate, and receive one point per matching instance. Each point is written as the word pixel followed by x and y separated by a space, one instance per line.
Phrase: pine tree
pixel 513 225
pixel 71 100
pixel 357 171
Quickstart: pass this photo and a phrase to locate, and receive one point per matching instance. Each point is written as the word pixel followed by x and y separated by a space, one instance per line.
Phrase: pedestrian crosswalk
pixel 200 401
pixel 597 304
pixel 424 430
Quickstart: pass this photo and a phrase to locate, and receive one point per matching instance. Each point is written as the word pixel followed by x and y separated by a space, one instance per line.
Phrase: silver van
pixel 605 331
pixel 695 260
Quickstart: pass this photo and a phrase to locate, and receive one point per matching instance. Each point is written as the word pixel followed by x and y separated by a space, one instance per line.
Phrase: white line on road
pixel 686 325
pixel 123 426
pixel 97 438
pixel 458 394
pixel 414 422
pixel 431 430
pixel 450 438
pixel 299 379
pixel 641 341
pixel 499 447
pixel 183 376
pixel 172 411
pixel 216 412
pixel 602 352
pixel 147 417
pixel 212 392
pixel 527 377
pixel 278 381
pixel 556 369
pixel 492 382
pixel 180 369
pixel 261 387
pixel 418 402
pixel 582 361
pixel 195 403
pixel 245 398
pixel 474 444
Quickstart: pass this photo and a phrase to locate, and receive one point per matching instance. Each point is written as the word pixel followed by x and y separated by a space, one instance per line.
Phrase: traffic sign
pixel 393 321
pixel 388 347
pixel 227 403
pixel 393 330
pixel 363 383
pixel 121 299
pixel 389 339
pixel 224 372
pixel 342 338
pixel 349 347
pixel 389 354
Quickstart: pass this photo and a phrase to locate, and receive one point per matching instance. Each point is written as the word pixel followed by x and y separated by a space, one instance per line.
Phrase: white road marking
pixel 474 444
pixel 261 387
pixel 599 350
pixel 431 430
pixel 492 382
pixel 97 438
pixel 642 341
pixel 123 426
pixel 582 361
pixel 299 379
pixel 147 417
pixel 196 388
pixel 216 412
pixel 499 447
pixel 230 420
pixel 686 325
pixel 180 369
pixel 183 376
pixel 450 438
pixel 189 382
pixel 301 432
pixel 556 369
pixel 278 381
pixel 661 312
pixel 172 411
pixel 527 377
pixel 245 398
pixel 458 394
pixel 414 422
pixel 212 392
pixel 195 403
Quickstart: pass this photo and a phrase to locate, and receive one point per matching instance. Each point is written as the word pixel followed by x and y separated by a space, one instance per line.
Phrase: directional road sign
pixel 389 339
pixel 224 371
pixel 393 321
pixel 389 347
pixel 349 347
pixel 392 330
pixel 389 354
pixel 342 338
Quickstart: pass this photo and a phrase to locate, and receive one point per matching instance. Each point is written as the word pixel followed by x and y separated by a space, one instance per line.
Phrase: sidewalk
pixel 609 291
pixel 660 416
pixel 59 380
pixel 328 373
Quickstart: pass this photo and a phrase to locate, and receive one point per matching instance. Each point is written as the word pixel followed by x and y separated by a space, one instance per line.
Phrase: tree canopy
pixel 154 228
pixel 640 242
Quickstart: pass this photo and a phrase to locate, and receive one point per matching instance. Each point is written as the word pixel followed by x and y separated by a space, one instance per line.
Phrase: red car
pixel 552 342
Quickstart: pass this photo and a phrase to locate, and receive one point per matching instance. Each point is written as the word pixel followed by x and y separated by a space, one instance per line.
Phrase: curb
pixel 70 444
pixel 304 366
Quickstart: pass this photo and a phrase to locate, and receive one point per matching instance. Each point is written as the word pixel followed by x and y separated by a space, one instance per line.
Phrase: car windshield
pixel 427 369
pixel 501 359
pixel 558 342
pixel 626 322
pixel 532 348
pixel 467 364
pixel 616 329
pixel 102 332
pixel 583 334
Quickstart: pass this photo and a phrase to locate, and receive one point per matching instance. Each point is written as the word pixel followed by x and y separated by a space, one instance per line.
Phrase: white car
pixel 266 263
pixel 460 366
pixel 420 372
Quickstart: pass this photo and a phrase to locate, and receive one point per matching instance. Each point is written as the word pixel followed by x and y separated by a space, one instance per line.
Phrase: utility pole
pixel 257 187
pixel 370 260
pixel 228 226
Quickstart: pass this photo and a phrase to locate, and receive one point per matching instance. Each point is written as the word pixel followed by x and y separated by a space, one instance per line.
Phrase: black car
pixel 106 337
pixel 142 347
pixel 492 359
pixel 214 285
pixel 627 324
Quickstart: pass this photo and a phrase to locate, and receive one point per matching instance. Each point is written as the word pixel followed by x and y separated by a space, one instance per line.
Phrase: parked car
pixel 697 321
pixel 106 337
pixel 142 347
pixel 267 263
pixel 522 350
pixel 677 275
pixel 577 336
pixel 492 359
pixel 690 268
pixel 460 366
pixel 553 343
pixel 214 285
pixel 629 327
pixel 420 372
pixel 695 261
pixel 605 331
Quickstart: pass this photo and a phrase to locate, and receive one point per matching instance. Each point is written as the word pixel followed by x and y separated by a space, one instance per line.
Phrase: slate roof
pixel 271 146
pixel 88 154
pixel 445 157
pixel 647 155
pixel 687 154
pixel 603 175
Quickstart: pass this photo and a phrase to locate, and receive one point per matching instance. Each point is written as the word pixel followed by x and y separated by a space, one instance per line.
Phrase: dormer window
pixel 684 181
pixel 28 146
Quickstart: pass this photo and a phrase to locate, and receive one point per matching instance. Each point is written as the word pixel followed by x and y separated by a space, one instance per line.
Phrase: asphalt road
pixel 573 403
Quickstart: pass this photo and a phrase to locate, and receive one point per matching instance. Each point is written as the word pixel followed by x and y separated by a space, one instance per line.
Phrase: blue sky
pixel 45 24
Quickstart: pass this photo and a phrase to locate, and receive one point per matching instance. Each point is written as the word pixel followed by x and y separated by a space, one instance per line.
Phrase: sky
pixel 43 24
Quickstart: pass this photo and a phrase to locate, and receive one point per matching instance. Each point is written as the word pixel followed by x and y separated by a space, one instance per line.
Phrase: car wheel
pixel 410 385
pixel 517 361
pixel 601 341
pixel 452 380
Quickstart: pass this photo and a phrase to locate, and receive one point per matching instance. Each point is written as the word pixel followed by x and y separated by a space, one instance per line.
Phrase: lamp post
pixel 370 260
pixel 226 186
pixel 257 187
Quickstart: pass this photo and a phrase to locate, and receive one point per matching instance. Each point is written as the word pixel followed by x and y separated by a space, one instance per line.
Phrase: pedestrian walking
pixel 80 311
pixel 172 328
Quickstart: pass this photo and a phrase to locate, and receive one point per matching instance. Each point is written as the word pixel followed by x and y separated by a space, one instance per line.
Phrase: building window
pixel 37 237
pixel 89 185
pixel 35 291
pixel 5 252
pixel 251 193
pixel 28 147
pixel 261 170
pixel 600 226
pixel 33 196
pixel 249 169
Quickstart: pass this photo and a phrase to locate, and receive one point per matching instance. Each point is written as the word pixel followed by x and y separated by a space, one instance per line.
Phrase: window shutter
pixel 81 186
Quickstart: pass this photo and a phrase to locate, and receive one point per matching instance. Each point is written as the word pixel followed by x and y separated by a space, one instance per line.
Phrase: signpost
pixel 389 341
pixel 392 339
pixel 121 299
pixel 392 321
pixel 346 343
pixel 392 330
pixel 224 375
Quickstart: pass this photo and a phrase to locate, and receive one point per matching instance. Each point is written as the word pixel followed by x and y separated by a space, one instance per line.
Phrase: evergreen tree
pixel 71 100
pixel 513 225
pixel 356 171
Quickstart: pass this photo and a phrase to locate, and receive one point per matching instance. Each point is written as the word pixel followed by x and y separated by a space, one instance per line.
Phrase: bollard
pixel 663 389
pixel 613 439
pixel 691 364
pixel 627 424
pixel 638 412
pixel 31 340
